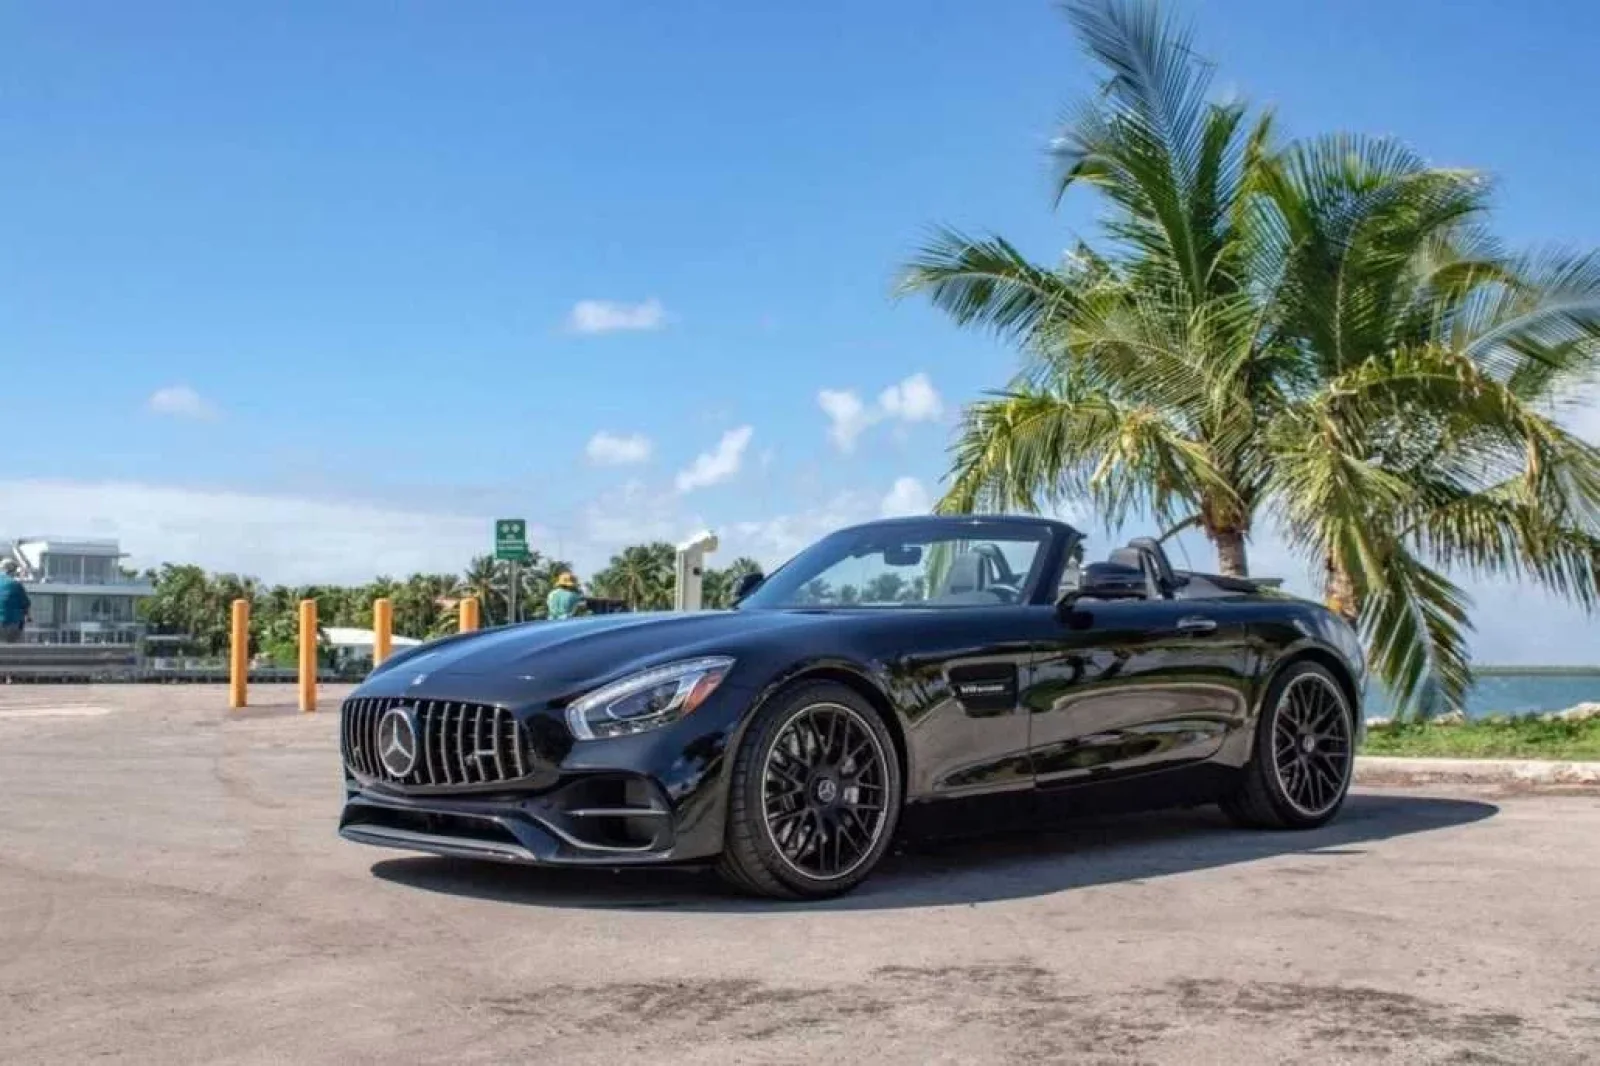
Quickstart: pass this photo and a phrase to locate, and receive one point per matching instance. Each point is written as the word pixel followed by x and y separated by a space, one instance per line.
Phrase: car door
pixel 1131 686
pixel 962 690
pixel 966 731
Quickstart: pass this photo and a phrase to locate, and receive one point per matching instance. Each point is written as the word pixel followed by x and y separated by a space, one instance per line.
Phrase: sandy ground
pixel 172 891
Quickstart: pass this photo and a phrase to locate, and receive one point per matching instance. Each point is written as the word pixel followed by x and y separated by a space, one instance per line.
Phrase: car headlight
pixel 646 700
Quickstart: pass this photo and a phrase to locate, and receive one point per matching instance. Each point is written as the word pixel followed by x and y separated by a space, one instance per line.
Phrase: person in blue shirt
pixel 14 604
pixel 564 599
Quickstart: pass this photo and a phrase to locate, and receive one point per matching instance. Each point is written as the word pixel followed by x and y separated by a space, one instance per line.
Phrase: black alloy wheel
pixel 824 786
pixel 1311 753
pixel 816 795
pixel 1304 757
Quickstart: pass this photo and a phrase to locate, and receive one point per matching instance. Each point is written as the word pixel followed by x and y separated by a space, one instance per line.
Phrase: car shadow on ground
pixel 1098 851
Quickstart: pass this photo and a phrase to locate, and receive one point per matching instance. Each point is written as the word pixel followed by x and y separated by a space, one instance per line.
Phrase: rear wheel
pixel 815 796
pixel 1299 774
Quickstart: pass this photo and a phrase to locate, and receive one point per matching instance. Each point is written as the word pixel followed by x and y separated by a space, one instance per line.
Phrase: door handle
pixel 1196 624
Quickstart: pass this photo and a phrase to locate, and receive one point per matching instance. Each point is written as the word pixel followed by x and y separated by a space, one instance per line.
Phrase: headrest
pixel 1127 557
pixel 966 574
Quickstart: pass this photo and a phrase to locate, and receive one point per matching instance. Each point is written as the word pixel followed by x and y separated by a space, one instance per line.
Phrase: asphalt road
pixel 172 891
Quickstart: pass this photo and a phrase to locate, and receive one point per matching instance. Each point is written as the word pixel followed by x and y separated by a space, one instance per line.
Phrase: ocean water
pixel 1510 691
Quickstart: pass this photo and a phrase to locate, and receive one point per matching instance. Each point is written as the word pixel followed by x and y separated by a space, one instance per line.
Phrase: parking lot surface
pixel 172 891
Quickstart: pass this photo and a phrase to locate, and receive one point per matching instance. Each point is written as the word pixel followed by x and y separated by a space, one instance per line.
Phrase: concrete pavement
pixel 172 891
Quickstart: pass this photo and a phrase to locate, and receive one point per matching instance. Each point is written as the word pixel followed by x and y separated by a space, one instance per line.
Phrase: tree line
pixel 193 603
pixel 1318 334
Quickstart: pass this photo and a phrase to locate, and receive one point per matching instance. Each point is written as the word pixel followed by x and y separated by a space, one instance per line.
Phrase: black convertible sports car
pixel 911 675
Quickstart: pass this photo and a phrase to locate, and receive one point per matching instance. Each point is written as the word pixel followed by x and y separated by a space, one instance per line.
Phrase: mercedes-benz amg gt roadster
pixel 932 675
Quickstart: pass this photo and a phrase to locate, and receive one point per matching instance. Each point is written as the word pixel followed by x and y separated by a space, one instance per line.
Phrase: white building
pixel 78 591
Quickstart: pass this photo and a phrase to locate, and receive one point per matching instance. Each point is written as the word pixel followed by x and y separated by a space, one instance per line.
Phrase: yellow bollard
pixel 469 613
pixel 382 629
pixel 239 655
pixel 308 655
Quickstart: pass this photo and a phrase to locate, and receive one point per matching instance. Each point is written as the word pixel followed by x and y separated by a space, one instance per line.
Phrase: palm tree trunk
pixel 1231 558
pixel 1339 590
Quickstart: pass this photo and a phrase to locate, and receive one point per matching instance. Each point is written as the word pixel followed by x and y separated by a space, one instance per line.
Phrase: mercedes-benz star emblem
pixel 397 742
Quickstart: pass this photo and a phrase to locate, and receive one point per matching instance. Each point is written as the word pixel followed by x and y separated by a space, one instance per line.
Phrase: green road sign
pixel 511 539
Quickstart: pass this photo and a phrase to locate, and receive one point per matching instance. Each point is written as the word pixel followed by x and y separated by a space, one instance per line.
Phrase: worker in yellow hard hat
pixel 565 598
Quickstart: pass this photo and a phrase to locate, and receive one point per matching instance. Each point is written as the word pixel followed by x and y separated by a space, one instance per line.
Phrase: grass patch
pixel 1490 738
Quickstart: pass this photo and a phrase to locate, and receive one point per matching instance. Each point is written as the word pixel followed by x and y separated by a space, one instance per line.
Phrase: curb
pixel 1374 769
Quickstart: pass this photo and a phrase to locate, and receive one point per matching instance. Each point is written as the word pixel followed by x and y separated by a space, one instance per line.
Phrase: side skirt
pixel 1188 786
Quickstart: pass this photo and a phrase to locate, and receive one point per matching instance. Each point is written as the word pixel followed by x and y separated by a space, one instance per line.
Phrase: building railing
pixel 116 581
pixel 84 632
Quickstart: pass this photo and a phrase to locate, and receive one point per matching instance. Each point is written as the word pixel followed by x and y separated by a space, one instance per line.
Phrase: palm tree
pixel 1322 331
pixel 716 588
pixel 886 587
pixel 640 575
pixel 1419 436
pixel 741 566
pixel 418 603
pixel 815 591
pixel 717 585
pixel 1146 369
pixel 485 578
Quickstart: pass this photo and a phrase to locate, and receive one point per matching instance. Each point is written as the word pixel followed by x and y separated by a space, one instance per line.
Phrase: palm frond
pixel 1025 448
pixel 1173 161
pixel 1360 215
pixel 1538 326
pixel 1416 622
pixel 1508 531
pixel 987 282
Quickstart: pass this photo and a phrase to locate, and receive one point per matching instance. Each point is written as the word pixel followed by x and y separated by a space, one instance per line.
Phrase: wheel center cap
pixel 1308 743
pixel 827 790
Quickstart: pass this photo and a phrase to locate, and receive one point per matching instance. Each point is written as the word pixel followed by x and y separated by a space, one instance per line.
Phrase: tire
pixel 779 831
pixel 1285 785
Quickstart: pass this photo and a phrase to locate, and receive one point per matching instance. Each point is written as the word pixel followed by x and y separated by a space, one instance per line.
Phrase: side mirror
pixel 1108 581
pixel 746 584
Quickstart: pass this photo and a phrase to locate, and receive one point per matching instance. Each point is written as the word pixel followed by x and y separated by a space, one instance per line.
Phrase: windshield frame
pixel 1044 576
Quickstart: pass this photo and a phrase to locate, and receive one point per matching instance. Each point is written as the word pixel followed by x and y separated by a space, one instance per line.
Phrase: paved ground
pixel 172 891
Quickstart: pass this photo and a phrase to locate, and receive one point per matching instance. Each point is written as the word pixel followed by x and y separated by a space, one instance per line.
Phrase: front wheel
pixel 815 796
pixel 1299 774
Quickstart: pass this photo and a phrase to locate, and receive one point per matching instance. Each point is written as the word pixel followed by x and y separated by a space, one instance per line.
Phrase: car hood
pixel 552 656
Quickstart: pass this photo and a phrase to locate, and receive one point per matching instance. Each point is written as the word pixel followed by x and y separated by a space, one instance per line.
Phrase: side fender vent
pixel 985 688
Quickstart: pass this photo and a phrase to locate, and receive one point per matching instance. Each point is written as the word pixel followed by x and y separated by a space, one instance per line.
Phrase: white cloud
pixel 287 539
pixel 293 540
pixel 180 401
pixel 907 497
pixel 302 540
pixel 773 539
pixel 719 464
pixel 912 400
pixel 608 316
pixel 847 417
pixel 612 449
pixel 633 513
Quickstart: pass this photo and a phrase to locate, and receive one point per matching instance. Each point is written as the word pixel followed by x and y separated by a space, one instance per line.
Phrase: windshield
pixel 909 565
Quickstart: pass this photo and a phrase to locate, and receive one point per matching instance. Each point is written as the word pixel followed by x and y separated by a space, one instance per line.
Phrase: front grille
pixel 457 743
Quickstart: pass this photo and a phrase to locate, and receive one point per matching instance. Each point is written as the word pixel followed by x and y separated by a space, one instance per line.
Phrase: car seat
pixel 965 575
pixel 1146 553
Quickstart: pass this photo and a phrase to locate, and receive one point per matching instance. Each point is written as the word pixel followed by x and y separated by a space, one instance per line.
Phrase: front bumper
pixel 603 819
pixel 652 798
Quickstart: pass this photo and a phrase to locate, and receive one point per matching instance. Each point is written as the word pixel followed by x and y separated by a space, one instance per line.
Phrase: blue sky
pixel 302 288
